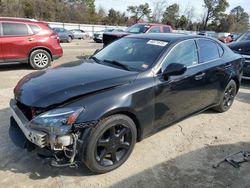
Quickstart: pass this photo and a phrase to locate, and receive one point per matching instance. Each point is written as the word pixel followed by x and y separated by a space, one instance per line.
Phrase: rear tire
pixel 40 59
pixel 110 143
pixel 227 97
pixel 69 39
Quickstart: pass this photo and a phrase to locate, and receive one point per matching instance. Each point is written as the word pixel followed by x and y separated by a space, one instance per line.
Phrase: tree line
pixel 84 11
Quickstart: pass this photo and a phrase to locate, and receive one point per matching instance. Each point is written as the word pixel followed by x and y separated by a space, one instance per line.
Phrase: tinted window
pixel 137 54
pixel 166 29
pixel 15 29
pixel 184 53
pixel 208 50
pixel 35 29
pixel 155 30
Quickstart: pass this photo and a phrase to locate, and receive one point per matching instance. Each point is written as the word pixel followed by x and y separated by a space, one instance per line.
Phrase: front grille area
pixel 26 110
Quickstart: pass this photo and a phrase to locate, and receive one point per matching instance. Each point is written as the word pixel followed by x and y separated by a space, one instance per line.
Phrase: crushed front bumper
pixel 38 138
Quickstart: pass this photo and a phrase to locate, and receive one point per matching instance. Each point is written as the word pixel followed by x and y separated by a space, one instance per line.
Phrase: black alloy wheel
pixel 113 145
pixel 110 144
pixel 228 97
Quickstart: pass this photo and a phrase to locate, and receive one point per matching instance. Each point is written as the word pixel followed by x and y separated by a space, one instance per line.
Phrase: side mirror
pixel 174 69
pixel 97 50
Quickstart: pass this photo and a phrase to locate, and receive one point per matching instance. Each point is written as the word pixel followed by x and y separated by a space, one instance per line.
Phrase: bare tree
pixel 158 10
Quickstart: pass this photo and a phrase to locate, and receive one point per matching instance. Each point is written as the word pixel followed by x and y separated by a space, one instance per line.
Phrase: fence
pixel 88 28
pixel 91 29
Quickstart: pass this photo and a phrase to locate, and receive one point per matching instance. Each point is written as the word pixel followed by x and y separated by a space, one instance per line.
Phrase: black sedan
pixel 242 46
pixel 94 110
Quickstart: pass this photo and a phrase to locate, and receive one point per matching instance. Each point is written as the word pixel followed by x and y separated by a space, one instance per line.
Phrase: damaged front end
pixel 54 131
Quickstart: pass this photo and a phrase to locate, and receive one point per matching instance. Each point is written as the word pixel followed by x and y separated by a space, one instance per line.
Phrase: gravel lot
pixel 181 155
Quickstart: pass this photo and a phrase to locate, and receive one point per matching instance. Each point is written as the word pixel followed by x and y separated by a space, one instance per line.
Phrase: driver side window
pixel 183 53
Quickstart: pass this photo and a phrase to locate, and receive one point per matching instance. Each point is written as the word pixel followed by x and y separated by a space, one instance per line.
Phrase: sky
pixel 122 5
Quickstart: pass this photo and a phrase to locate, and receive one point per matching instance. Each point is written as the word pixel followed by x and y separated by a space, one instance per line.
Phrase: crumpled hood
pixel 240 47
pixel 56 85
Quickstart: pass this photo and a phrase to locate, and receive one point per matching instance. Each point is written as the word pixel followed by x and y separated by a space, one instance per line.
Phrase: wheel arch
pixel 130 114
pixel 236 79
pixel 41 48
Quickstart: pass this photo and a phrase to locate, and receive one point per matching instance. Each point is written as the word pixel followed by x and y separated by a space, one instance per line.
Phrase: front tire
pixel 227 97
pixel 110 143
pixel 40 59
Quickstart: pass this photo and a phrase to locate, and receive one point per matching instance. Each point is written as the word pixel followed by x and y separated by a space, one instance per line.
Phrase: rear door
pixel 215 74
pixel 17 41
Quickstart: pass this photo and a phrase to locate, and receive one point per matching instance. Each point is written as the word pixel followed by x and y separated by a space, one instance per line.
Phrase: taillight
pixel 55 37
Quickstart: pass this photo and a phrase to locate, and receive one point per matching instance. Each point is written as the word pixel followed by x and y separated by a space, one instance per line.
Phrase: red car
pixel 137 29
pixel 28 41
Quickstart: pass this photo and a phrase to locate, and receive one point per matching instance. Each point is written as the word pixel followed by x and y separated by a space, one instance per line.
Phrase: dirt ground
pixel 181 155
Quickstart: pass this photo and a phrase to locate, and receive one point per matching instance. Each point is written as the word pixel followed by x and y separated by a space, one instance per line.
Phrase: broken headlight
pixel 57 121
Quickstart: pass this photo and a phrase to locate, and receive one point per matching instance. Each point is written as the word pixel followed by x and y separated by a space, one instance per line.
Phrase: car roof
pixel 22 20
pixel 168 37
pixel 153 24
pixel 17 19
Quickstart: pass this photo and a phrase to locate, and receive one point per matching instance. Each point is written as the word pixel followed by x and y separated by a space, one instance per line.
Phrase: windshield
pixel 244 37
pixel 134 53
pixel 138 28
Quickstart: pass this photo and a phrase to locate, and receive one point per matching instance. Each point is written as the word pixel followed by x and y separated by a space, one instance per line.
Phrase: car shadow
pixel 194 169
pixel 19 66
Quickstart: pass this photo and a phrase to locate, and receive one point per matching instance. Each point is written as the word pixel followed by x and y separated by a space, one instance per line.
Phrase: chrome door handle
pixel 200 76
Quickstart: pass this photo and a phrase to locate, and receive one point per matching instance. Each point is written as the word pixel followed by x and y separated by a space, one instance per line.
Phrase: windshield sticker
pixel 157 43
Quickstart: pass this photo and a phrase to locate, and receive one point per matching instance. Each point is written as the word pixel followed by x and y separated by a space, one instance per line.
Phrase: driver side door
pixel 179 96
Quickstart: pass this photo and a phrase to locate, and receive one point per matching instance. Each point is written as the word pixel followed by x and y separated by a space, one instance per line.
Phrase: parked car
pixel 208 34
pixel 99 35
pixel 242 46
pixel 79 34
pixel 64 34
pixel 125 92
pixel 28 41
pixel 109 37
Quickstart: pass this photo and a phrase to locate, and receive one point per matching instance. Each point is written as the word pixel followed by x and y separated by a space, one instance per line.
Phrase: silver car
pixel 79 34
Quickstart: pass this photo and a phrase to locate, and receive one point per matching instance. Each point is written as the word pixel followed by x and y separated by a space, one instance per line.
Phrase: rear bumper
pixel 246 68
pixel 38 138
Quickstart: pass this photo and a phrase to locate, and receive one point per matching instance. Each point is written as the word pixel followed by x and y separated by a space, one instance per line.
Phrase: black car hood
pixel 56 85
pixel 240 47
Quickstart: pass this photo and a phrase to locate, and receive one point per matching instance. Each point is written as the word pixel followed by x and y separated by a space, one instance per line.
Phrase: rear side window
pixel 208 50
pixel 35 29
pixel 166 29
pixel 15 29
